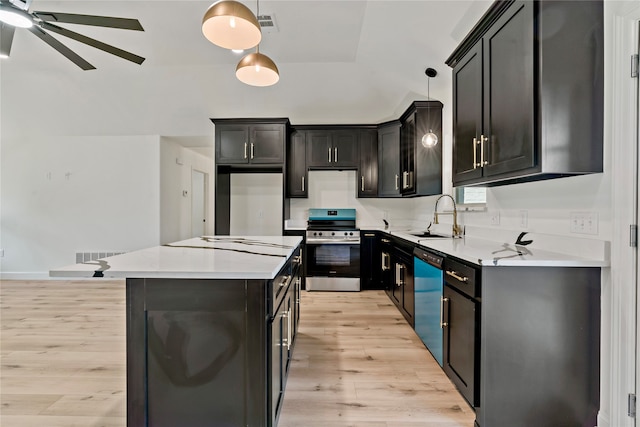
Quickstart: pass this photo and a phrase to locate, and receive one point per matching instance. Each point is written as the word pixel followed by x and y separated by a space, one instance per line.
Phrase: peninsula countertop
pixel 207 257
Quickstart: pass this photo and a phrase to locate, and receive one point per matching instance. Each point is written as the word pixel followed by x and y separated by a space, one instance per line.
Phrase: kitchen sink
pixel 426 234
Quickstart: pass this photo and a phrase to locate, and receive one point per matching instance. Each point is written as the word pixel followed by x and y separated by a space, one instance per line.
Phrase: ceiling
pixel 341 61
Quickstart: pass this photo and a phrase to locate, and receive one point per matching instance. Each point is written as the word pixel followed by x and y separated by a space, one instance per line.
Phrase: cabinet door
pixel 467 116
pixel 396 285
pixel 407 155
pixel 509 92
pixel 276 365
pixel 368 170
pixel 389 161
pixel 319 149
pixel 408 293
pixel 370 261
pixel 232 144
pixel 460 347
pixel 297 176
pixel 267 144
pixel 346 148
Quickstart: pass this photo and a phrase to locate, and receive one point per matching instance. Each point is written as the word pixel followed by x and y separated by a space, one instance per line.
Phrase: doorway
pixel 198 203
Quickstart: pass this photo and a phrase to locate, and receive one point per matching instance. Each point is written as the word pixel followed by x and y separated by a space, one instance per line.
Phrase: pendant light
pixel 231 25
pixel 257 69
pixel 429 139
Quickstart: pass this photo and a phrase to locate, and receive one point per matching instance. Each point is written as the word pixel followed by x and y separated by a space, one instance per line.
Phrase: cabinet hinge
pixel 633 235
pixel 631 405
pixel 634 65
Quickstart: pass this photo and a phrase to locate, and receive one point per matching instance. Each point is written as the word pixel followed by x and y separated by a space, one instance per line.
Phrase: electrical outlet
pixel 495 218
pixel 583 222
pixel 524 219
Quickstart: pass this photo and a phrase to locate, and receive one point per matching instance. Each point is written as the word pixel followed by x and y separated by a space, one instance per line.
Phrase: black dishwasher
pixel 461 328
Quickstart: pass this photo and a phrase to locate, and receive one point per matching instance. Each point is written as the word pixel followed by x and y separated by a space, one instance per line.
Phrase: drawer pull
pixel 457 276
pixel 284 282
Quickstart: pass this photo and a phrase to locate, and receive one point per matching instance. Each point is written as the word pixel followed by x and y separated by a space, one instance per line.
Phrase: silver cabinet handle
pixel 245 150
pixel 443 324
pixel 405 180
pixel 397 182
pixel 385 240
pixel 455 275
pixel 284 282
pixel 483 139
pixel 289 329
pixel 475 155
pixel 302 182
pixel 329 154
pixel 369 235
pixel 252 151
pixel 335 154
pixel 362 183
pixel 385 261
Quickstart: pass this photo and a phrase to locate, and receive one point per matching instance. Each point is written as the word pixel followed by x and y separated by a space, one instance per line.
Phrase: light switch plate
pixel 495 218
pixel 583 222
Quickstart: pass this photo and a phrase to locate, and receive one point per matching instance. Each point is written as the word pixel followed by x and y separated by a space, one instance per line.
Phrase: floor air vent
pixel 90 256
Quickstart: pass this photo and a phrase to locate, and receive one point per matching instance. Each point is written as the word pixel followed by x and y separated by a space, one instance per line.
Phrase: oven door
pixel 333 259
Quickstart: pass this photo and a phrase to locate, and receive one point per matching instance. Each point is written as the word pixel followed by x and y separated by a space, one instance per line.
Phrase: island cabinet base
pixel 199 353
pixel 540 347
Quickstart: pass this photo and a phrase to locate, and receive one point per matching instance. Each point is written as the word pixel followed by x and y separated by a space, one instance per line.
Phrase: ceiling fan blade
pixel 6 39
pixel 51 41
pixel 98 21
pixel 93 42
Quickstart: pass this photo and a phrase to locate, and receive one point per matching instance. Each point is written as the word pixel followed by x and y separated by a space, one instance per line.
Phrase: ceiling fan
pixel 15 13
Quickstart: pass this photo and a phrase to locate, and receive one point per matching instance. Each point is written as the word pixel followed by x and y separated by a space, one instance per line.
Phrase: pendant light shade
pixel 15 17
pixel 256 69
pixel 231 25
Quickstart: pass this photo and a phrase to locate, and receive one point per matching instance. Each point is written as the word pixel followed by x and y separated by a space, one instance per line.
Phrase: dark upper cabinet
pixel 421 167
pixel 368 169
pixel 528 93
pixel 467 116
pixel 247 142
pixel 297 172
pixel 330 148
pixel 389 159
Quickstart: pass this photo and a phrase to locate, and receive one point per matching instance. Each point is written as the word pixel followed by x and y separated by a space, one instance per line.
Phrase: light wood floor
pixel 357 362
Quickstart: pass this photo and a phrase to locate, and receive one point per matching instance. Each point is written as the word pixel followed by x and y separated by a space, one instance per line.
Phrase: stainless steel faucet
pixel 457 230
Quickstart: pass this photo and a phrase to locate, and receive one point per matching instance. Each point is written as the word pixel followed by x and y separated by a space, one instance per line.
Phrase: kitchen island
pixel 210 327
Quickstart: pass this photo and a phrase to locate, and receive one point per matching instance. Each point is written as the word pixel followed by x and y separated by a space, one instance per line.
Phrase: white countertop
pixel 491 253
pixel 207 257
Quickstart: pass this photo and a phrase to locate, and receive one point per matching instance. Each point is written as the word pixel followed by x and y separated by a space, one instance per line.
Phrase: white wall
pixel 256 204
pixel 337 189
pixel 176 164
pixel 62 195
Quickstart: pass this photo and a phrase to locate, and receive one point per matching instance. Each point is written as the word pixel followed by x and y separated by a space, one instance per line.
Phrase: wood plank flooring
pixel 356 361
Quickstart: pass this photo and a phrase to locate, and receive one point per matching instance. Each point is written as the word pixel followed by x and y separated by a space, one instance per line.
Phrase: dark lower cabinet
pixel 461 328
pixel 370 259
pixel 540 347
pixel 403 289
pixel 200 350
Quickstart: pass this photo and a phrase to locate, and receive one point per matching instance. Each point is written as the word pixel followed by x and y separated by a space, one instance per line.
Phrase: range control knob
pixel 333 233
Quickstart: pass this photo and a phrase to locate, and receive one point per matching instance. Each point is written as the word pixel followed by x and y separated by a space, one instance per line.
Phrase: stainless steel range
pixel 333 250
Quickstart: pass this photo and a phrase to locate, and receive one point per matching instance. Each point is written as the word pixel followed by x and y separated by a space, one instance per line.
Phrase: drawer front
pixel 461 276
